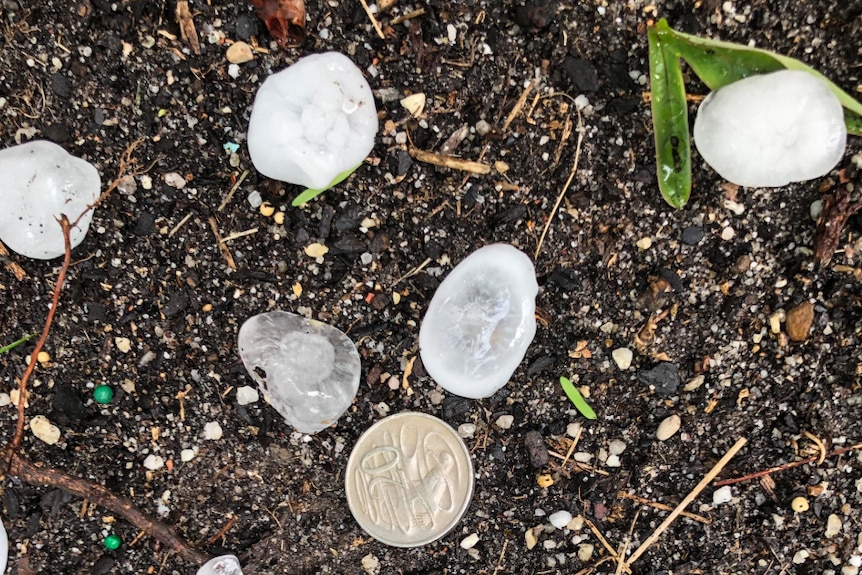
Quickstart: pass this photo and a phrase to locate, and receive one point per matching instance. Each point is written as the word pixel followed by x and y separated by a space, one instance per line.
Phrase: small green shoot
pixel 15 344
pixel 310 194
pixel 580 403
pixel 717 64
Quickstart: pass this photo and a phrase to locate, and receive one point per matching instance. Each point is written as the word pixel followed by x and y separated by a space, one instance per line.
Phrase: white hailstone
pixel 213 431
pixel 224 565
pixel 4 547
pixel 772 129
pixel 480 322
pixel 312 121
pixel 307 370
pixel 41 181
pixel 560 519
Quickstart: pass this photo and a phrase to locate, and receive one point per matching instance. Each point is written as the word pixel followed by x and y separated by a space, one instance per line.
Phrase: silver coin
pixel 409 479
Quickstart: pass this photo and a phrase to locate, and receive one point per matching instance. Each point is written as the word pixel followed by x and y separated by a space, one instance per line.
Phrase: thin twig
pixel 233 189
pixel 663 507
pixel 225 252
pixel 565 187
pixel 759 474
pixel 374 21
pixel 716 469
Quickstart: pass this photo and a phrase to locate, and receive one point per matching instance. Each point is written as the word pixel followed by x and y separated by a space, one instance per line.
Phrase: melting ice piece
pixel 41 181
pixel 4 547
pixel 307 370
pixel 312 121
pixel 770 130
pixel 480 321
pixel 224 565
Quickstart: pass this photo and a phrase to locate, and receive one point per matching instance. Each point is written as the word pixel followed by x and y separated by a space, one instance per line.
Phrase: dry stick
pixel 24 469
pixel 716 469
pixel 759 474
pixel 374 21
pixel 663 507
pixel 15 444
pixel 565 187
pixel 449 162
pixel 225 252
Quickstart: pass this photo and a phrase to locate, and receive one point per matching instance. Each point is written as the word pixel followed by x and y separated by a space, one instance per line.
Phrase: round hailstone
pixel 307 370
pixel 312 121
pixel 480 322
pixel 223 565
pixel 772 129
pixel 4 547
pixel 41 181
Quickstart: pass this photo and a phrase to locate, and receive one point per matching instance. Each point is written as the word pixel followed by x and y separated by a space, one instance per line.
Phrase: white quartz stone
pixel 41 181
pixel 480 322
pixel 223 565
pixel 312 121
pixel 560 519
pixel 772 129
pixel 307 370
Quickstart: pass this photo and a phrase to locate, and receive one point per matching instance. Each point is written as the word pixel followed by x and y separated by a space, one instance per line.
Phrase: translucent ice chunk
pixel 4 547
pixel 41 181
pixel 312 121
pixel 224 565
pixel 480 321
pixel 770 130
pixel 307 370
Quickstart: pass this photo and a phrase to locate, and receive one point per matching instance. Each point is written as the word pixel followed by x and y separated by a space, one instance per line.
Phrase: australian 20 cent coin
pixel 409 479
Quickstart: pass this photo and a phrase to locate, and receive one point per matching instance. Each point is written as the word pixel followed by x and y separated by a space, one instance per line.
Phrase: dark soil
pixel 96 75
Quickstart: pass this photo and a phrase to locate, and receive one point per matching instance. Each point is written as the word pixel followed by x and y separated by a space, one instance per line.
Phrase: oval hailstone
pixel 4 547
pixel 41 181
pixel 307 370
pixel 312 121
pixel 480 322
pixel 772 129
pixel 222 565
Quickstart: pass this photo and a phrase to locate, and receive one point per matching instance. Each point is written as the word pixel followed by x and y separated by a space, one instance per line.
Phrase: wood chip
pixel 799 321
pixel 187 26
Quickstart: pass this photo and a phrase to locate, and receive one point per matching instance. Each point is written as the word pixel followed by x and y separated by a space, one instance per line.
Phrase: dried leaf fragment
pixel 187 26
pixel 837 209
pixel 285 20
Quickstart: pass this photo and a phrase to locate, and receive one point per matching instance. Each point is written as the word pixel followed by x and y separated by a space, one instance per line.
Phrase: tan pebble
pixel 415 104
pixel 585 551
pixel 239 53
pixel 644 243
pixel 799 321
pixel 530 538
pixel 123 344
pixel 267 209
pixel 278 218
pixel 545 480
pixel 208 307
pixel 45 430
pixel 799 504
pixel 501 166
pixel 833 526
pixel 316 250
pixel 297 289
pixel 43 357
pixel 668 427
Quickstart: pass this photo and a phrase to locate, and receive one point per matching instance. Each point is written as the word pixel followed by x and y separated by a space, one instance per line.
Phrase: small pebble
pixel 255 200
pixel 42 428
pixel 695 382
pixel 833 526
pixel 549 544
pixel 622 357
pixel 239 53
pixel 246 394
pixel 800 557
pixel 470 541
pixel 124 345
pixel 505 421
pixel 154 462
pixel 668 427
pixel 691 236
pixel 545 480
pixel 722 495
pixel 370 563
pixel 799 320
pixel 233 71
pixel 728 233
pixel 816 209
pixel 212 430
pixel 483 127
pixel 585 551
pixel 644 243
pixel 560 519
pixel 613 461
pixel 616 446
pixel 267 209
pixel 466 430
pixel 799 504
pixel 175 180
pixel 573 429
pixel 187 455
pixel 536 449
pixel 530 538
pixel 43 357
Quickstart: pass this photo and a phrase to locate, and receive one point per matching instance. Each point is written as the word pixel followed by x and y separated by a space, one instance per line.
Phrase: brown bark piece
pixel 837 209
pixel 799 321
pixel 285 20
pixel 187 26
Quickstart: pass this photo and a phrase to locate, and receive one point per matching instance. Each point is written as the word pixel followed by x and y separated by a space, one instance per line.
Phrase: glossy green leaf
pixel 310 194
pixel 15 344
pixel 670 120
pixel 580 403
pixel 718 63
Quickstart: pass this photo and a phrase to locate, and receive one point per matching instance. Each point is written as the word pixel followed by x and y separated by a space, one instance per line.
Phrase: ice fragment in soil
pixel 307 370
pixel 223 565
pixel 772 129
pixel 4 547
pixel 41 181
pixel 312 121
pixel 480 322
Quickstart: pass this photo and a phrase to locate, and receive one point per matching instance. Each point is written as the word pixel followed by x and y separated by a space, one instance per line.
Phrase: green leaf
pixel 670 119
pixel 580 403
pixel 15 344
pixel 718 63
pixel 309 194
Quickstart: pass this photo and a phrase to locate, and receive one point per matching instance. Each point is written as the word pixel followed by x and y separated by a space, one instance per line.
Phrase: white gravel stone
pixel 246 394
pixel 187 455
pixel 212 430
pixel 800 557
pixel 612 461
pixel 722 495
pixel 622 357
pixel 470 541
pixel 505 421
pixel 616 446
pixel 560 519
pixel 668 427
pixel 370 563
pixel 833 526
pixel 154 462
pixel 582 457
pixel 585 551
pixel 42 428
pixel 466 430
pixel 572 429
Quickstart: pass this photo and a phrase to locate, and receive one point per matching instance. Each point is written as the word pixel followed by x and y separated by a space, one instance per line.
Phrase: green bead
pixel 103 394
pixel 113 542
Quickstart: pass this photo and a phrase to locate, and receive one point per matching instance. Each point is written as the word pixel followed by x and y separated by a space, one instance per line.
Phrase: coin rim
pixel 351 464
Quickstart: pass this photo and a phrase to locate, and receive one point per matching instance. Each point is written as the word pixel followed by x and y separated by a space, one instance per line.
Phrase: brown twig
pixel 24 469
pixel 783 467
pixel 662 506
pixel 716 469
pixel 222 531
